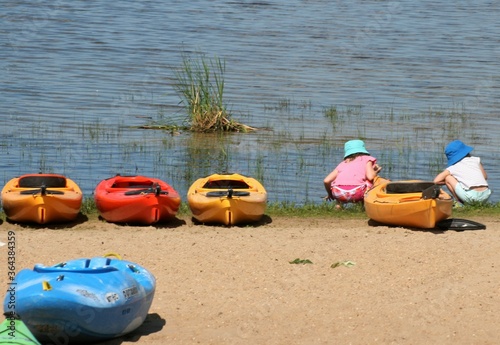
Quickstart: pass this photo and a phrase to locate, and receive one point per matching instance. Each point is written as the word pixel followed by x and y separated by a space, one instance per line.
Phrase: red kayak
pixel 136 199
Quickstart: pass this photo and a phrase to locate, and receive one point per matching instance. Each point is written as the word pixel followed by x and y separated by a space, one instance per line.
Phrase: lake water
pixel 77 77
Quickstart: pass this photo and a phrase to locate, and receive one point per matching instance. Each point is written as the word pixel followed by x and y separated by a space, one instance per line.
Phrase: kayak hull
pixel 402 203
pixel 82 300
pixel 42 199
pixel 227 199
pixel 136 199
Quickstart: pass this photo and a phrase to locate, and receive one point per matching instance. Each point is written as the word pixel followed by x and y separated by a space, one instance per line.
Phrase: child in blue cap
pixel 464 176
pixel 349 181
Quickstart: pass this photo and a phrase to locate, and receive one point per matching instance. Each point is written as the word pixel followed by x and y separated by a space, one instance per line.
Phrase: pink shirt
pixel 353 173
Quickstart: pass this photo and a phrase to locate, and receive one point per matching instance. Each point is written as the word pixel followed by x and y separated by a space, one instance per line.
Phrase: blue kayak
pixel 82 300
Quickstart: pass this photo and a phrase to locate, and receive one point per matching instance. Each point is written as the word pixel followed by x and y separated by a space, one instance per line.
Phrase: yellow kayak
pixel 227 199
pixel 41 198
pixel 414 203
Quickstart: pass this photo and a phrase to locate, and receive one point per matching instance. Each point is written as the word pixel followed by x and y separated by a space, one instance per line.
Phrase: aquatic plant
pixel 259 169
pixel 200 84
pixel 283 105
pixel 331 113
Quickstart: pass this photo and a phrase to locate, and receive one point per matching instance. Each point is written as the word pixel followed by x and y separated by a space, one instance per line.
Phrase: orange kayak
pixel 227 199
pixel 136 199
pixel 41 198
pixel 414 203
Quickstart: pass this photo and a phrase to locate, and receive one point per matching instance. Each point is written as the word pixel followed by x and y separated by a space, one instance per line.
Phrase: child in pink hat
pixel 349 181
pixel 464 176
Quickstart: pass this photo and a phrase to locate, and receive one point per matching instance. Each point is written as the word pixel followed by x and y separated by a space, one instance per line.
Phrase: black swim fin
pixel 460 224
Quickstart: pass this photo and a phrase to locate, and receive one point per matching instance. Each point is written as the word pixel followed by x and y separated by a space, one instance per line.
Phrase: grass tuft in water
pixel 200 83
pixel 332 114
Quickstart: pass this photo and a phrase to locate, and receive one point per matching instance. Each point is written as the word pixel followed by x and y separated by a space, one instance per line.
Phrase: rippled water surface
pixel 77 77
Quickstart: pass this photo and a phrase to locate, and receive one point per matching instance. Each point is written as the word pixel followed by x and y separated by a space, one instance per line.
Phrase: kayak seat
pixel 407 187
pixel 226 184
pixel 105 269
pixel 38 181
pixel 132 184
pixel 95 265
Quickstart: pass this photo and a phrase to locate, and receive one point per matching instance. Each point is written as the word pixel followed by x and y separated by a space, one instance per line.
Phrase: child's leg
pixel 451 183
pixel 339 205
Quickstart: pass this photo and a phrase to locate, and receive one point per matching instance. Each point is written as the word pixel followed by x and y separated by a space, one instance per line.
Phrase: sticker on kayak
pixel 127 293
pixel 112 297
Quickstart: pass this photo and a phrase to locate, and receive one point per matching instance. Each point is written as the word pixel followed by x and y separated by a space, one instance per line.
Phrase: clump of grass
pixel 184 210
pixel 331 114
pixel 200 83
pixel 89 208
pixel 284 104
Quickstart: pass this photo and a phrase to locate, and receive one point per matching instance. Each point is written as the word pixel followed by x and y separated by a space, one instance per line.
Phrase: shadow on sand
pixel 451 224
pixel 153 323
pixel 261 222
pixel 80 219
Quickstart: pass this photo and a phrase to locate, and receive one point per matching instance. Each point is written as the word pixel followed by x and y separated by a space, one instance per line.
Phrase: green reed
pixel 332 114
pixel 284 104
pixel 200 84
pixel 259 169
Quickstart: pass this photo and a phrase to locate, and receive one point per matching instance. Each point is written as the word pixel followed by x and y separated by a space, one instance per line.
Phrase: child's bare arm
pixel 439 179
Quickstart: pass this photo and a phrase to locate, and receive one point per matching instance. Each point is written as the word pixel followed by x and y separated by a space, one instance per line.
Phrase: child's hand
pixel 377 168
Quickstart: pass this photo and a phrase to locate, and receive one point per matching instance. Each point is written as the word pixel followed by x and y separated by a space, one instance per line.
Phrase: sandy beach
pixel 365 284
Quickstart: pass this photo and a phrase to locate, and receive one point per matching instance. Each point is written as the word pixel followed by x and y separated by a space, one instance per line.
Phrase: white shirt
pixel 468 172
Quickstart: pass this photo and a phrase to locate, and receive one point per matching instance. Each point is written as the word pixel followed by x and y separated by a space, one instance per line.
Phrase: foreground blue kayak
pixel 82 300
